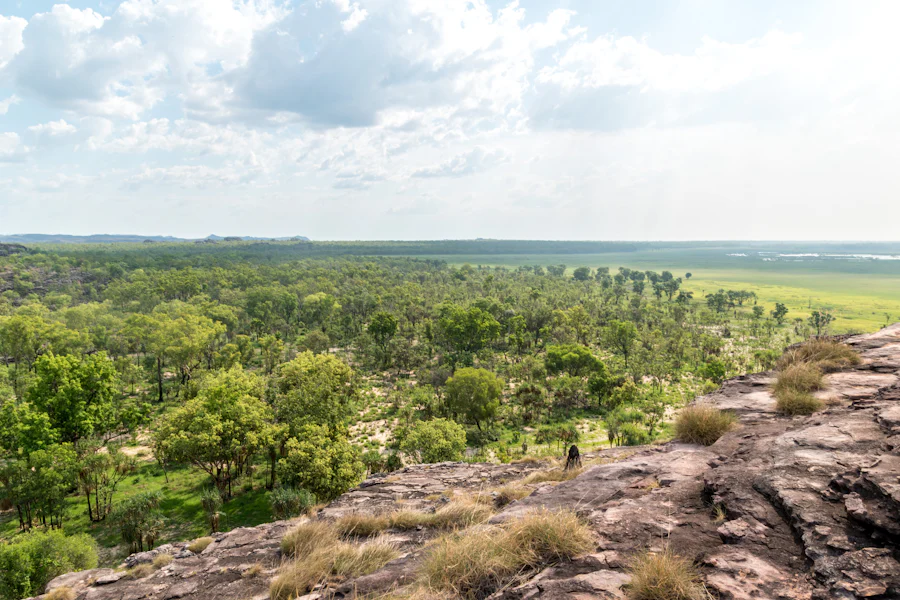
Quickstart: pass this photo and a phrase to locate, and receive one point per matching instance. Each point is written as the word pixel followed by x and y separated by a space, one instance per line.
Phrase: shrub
pixel 200 544
pixel 300 541
pixel 704 425
pixel 63 592
pixel 434 441
pixel 30 560
pixel 288 502
pixel 829 355
pixel 211 501
pixel 139 520
pixel 791 402
pixel 664 576
pixel 321 460
pixel 474 563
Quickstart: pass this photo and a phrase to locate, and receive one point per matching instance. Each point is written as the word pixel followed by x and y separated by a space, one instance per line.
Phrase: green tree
pixel 779 313
pixel 28 562
pixel 434 441
pixel 76 393
pixel 465 331
pixel 321 459
pixel 317 389
pixel 474 394
pixel 100 471
pixel 820 320
pixel 573 359
pixel 139 520
pixel 221 429
pixel 581 274
pixel 620 336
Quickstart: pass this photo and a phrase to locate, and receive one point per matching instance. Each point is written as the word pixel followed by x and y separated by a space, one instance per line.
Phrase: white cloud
pixel 5 104
pixel 10 37
pixel 468 163
pixel 11 148
pixel 53 128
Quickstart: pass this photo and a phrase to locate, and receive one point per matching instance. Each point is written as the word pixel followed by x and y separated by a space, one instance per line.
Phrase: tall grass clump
pixel 829 355
pixel 476 562
pixel 300 541
pixel 793 403
pixel 665 576
pixel 456 514
pixel 794 386
pixel 329 559
pixel 703 424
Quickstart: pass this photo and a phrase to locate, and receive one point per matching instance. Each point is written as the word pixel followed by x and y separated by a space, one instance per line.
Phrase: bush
pixel 32 559
pixel 321 460
pixel 434 441
pixel 139 520
pixel 664 576
pixel 200 544
pixel 288 502
pixel 703 424
pixel 475 563
pixel 793 403
pixel 829 355
pixel 211 501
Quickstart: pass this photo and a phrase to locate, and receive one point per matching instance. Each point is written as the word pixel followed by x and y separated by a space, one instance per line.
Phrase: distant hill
pixel 44 238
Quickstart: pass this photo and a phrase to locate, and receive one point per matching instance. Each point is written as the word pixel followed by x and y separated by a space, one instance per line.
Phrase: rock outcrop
pixel 781 507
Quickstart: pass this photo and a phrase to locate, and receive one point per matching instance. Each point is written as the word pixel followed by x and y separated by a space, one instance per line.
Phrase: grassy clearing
pixel 665 576
pixel 703 424
pixel 476 562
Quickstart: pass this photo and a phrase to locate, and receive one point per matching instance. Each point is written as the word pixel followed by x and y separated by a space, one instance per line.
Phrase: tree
pixel 620 336
pixel 820 320
pixel 465 331
pixel 688 275
pixel 474 394
pixel 600 384
pixel 315 389
pixel 779 313
pixel 581 274
pixel 100 470
pixel 139 520
pixel 220 429
pixel 28 562
pixel 434 441
pixel 573 359
pixel 382 328
pixel 272 348
pixel 321 460
pixel 76 393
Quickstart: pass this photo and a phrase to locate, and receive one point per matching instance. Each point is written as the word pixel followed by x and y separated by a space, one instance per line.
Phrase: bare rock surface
pixel 790 508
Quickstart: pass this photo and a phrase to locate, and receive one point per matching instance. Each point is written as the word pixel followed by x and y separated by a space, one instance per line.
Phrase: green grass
pixel 860 294
pixel 185 519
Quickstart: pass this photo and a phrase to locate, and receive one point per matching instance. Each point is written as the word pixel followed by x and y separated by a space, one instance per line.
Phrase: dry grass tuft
pixel 162 560
pixel 200 544
pixel 63 592
pixel 510 493
pixel 254 570
pixel 306 537
pixel 460 514
pixel 799 377
pixel 665 576
pixel 829 355
pixel 556 475
pixel 141 571
pixel 793 403
pixel 474 563
pixel 330 559
pixel 361 524
pixel 703 424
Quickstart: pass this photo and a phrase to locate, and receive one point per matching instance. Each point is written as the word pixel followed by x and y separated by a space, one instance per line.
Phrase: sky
pixel 447 119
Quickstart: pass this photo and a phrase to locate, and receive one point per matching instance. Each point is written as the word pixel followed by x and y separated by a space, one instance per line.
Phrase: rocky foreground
pixel 808 507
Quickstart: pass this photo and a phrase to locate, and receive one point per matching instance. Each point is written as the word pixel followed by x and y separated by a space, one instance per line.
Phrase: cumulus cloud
pixel 11 29
pixel 53 128
pixel 11 147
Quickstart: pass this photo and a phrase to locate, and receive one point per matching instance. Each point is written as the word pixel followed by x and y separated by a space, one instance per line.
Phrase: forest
pixel 155 392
